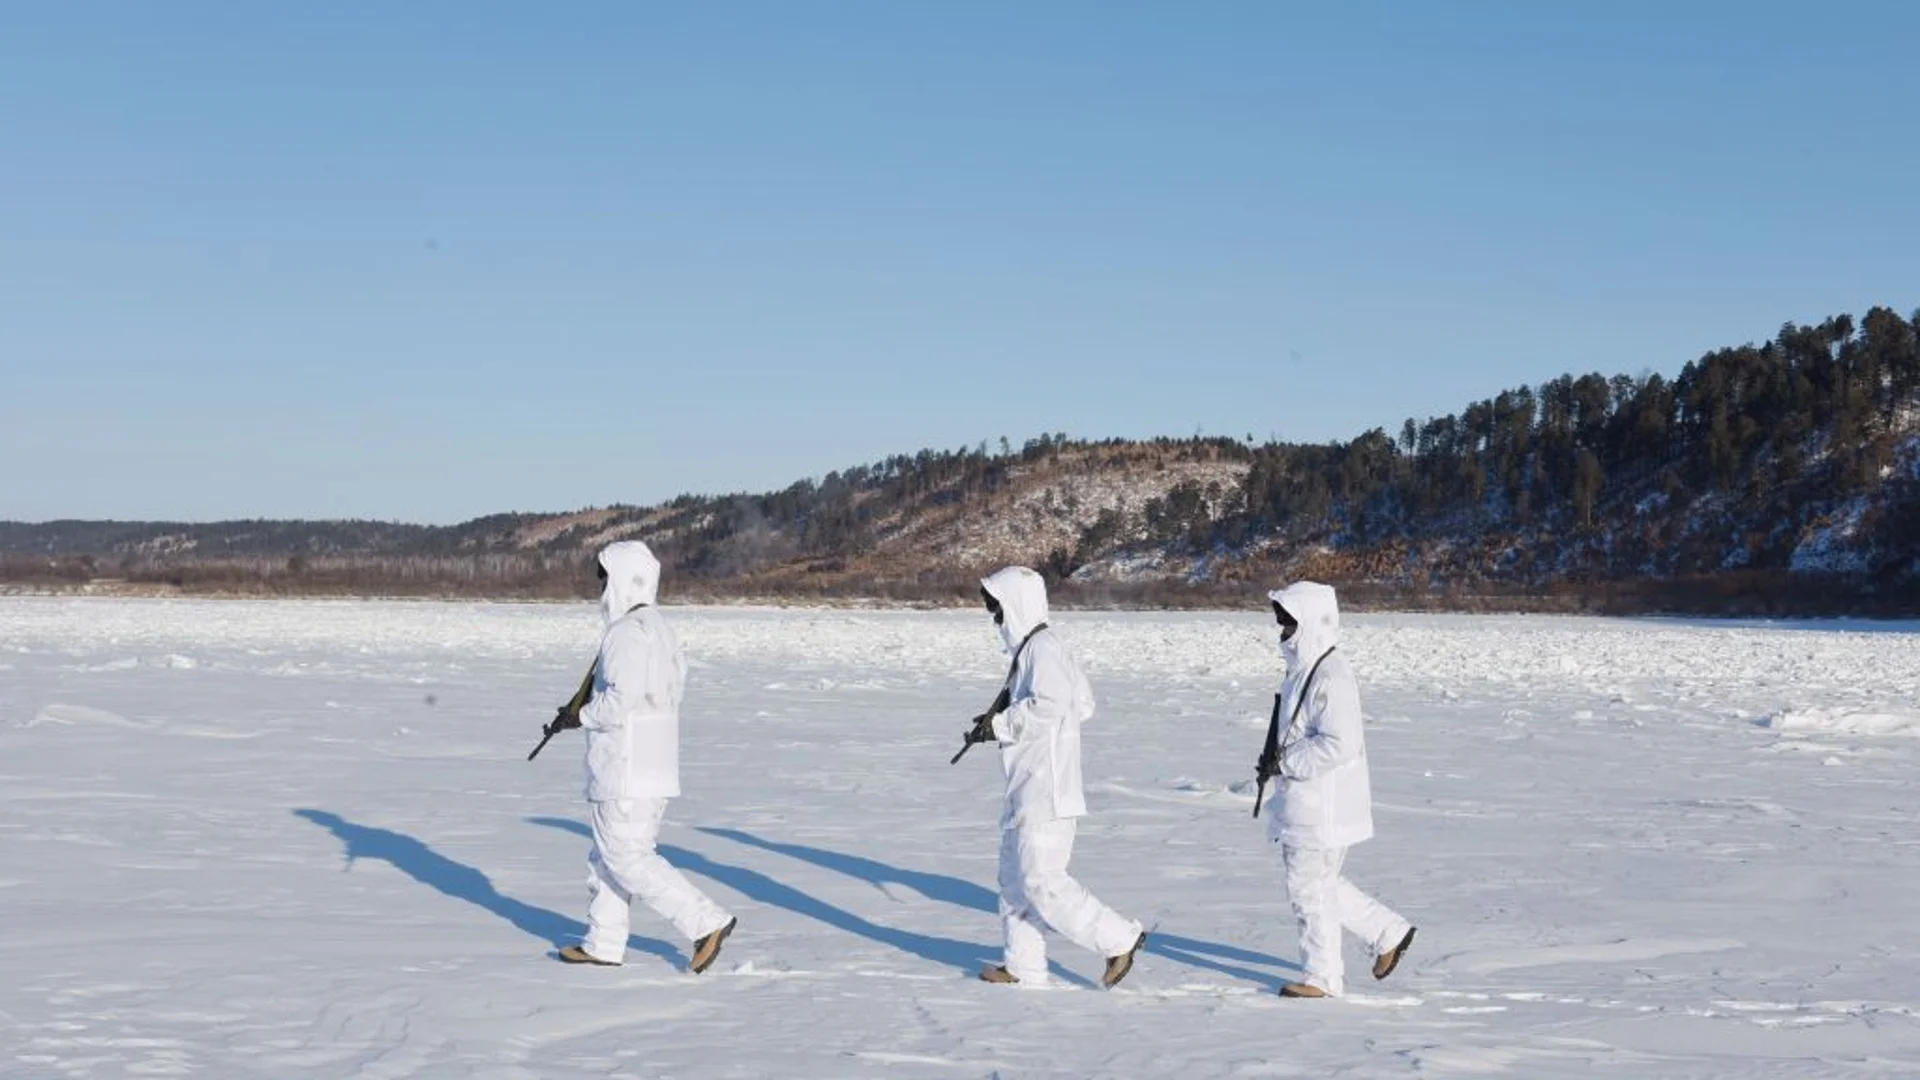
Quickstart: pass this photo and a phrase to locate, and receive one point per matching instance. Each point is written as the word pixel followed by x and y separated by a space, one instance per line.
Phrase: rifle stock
pixel 580 696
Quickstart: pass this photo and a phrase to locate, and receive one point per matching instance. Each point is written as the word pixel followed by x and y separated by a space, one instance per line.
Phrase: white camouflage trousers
pixel 1324 903
pixel 624 867
pixel 1037 894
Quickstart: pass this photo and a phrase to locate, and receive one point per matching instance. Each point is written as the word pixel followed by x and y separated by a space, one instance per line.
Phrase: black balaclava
pixel 993 607
pixel 1289 625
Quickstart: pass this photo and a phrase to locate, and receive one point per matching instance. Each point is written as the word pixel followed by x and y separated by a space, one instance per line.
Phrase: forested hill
pixel 1780 476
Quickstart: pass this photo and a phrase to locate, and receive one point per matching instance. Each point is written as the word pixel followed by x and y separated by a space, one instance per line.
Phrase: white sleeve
pixel 625 678
pixel 1333 735
pixel 1047 699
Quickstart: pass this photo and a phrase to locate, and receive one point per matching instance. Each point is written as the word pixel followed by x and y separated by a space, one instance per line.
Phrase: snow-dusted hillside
pixel 1047 510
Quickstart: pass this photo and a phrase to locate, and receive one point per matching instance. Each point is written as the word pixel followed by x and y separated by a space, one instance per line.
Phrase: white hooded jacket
pixel 1325 797
pixel 632 721
pixel 1039 732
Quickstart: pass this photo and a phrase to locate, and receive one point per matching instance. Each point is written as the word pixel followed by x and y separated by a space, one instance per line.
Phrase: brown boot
pixel 707 949
pixel 1302 990
pixel 1384 964
pixel 994 973
pixel 574 954
pixel 1118 966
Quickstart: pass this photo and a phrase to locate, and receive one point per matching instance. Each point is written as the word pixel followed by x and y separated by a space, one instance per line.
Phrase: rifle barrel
pixel 573 706
pixel 544 740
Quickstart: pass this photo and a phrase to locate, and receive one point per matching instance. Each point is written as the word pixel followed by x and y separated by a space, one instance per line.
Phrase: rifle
pixel 1269 762
pixel 1005 699
pixel 570 709
pixel 1268 766
pixel 999 705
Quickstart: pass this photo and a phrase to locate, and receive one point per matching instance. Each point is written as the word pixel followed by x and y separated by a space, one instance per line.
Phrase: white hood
pixel 633 577
pixel 1023 600
pixel 1318 613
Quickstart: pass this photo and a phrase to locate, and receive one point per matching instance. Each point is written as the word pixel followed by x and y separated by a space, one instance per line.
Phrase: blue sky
pixel 427 261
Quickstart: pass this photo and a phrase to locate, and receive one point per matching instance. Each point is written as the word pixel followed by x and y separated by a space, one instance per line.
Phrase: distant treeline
pixel 505 575
pixel 1733 593
pixel 1604 493
pixel 1813 415
pixel 1763 436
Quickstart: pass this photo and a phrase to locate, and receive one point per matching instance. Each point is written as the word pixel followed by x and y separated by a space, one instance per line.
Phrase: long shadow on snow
pixel 952 890
pixel 964 955
pixel 462 882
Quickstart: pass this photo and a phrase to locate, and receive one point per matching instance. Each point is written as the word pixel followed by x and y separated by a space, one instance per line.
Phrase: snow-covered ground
pixel 301 839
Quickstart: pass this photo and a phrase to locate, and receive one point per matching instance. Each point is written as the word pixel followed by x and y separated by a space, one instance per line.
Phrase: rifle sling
pixel 585 693
pixel 1006 688
pixel 1273 725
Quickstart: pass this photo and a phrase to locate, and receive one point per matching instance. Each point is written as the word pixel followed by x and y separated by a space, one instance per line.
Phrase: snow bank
pixel 1845 722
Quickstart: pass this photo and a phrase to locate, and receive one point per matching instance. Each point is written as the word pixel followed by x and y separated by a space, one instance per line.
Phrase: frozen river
pixel 301 839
